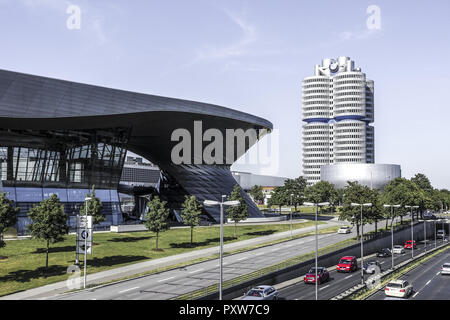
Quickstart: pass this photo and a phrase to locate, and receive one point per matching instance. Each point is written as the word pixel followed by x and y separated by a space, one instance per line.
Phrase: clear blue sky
pixel 252 56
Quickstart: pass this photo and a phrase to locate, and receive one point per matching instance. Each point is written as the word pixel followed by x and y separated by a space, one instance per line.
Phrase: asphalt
pixel 427 281
pixel 340 282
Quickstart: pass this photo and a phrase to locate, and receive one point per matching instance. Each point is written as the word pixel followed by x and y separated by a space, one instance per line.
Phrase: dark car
pixel 429 216
pixel 383 253
pixel 322 275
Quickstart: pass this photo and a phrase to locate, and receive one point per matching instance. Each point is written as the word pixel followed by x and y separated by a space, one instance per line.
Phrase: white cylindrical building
pixel 338 107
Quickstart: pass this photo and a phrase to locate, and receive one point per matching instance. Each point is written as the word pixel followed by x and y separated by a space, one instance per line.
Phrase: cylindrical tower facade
pixel 337 106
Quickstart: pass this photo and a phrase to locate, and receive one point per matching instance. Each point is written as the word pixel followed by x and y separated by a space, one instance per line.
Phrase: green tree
pixel 192 209
pixel 322 191
pixel 94 208
pixel 157 217
pixel 257 193
pixel 49 222
pixel 404 192
pixel 8 216
pixel 295 191
pixel 279 197
pixel 239 212
pixel 356 193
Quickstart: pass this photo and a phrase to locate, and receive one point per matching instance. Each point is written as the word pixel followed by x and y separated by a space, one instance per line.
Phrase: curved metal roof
pixel 29 96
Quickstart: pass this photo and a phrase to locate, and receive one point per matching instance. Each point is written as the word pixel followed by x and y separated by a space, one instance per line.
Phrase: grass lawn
pixel 24 267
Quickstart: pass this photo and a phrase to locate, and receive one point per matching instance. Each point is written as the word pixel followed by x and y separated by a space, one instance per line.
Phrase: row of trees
pixel 416 191
pixel 48 219
pixel 157 217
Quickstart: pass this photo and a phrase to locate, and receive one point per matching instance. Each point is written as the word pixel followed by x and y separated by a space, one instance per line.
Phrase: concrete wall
pixel 331 259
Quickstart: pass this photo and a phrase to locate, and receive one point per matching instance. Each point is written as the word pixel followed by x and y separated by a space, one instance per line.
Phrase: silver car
pixel 445 269
pixel 371 267
pixel 261 293
pixel 398 249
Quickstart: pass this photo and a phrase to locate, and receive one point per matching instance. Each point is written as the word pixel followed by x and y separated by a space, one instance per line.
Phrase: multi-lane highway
pixel 172 283
pixel 427 281
pixel 339 282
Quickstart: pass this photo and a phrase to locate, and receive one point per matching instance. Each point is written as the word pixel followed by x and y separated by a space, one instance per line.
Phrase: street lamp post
pixel 362 235
pixel 317 241
pixel 392 229
pixel 232 203
pixel 85 240
pixel 291 212
pixel 412 230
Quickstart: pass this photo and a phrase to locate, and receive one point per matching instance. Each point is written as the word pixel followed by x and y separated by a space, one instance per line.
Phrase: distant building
pixel 248 180
pixel 337 108
pixel 374 176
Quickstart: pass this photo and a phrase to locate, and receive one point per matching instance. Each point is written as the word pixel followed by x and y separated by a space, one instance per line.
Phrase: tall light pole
pixel 86 200
pixel 291 213
pixel 412 230
pixel 392 206
pixel 232 203
pixel 362 235
pixel 310 204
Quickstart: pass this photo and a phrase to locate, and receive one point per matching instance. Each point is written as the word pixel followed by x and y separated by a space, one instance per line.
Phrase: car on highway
pixel 398 288
pixel 384 253
pixel 347 264
pixel 345 229
pixel 445 269
pixel 371 267
pixel 398 249
pixel 410 244
pixel 429 216
pixel 262 292
pixel 440 234
pixel 322 275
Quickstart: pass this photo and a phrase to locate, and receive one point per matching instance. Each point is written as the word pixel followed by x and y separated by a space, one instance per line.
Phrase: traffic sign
pixel 81 249
pixel 84 234
pixel 84 222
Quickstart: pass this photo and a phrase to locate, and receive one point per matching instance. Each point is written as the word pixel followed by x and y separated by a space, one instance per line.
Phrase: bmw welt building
pixel 60 137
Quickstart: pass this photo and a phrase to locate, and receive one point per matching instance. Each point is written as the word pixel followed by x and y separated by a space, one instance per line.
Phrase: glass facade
pixel 36 164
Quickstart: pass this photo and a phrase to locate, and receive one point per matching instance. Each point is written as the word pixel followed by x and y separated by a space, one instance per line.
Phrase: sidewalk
pixel 138 268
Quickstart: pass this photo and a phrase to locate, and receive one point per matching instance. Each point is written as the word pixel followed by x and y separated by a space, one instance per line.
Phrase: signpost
pixel 84 238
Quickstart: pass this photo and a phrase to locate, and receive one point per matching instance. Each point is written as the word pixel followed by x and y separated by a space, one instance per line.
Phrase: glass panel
pixel 29 194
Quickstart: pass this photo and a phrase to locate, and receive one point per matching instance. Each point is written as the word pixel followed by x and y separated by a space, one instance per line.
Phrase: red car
pixel 347 264
pixel 322 275
pixel 410 244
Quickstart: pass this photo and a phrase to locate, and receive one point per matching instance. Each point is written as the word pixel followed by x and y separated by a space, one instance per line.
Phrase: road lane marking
pixel 428 282
pixel 348 276
pixel 415 294
pixel 165 279
pixel 128 289
pixel 324 287
pixel 258 254
pixel 275 249
pixel 241 259
pixel 438 273
pixel 198 270
pixel 288 246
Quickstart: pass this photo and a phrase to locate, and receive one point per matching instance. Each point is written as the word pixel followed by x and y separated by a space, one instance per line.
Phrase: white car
pixel 344 229
pixel 398 288
pixel 445 269
pixel 398 249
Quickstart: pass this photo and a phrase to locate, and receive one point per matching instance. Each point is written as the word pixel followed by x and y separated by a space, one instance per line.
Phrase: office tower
pixel 337 109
